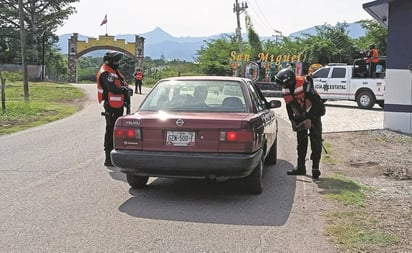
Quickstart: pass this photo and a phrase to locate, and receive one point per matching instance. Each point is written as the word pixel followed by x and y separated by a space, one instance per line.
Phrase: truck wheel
pixel 136 181
pixel 272 157
pixel 365 100
pixel 254 182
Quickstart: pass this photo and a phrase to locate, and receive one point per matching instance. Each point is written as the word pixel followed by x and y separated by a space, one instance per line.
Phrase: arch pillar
pixel 72 58
pixel 139 41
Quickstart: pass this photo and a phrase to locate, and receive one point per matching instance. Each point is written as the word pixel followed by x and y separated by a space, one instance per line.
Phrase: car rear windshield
pixel 196 95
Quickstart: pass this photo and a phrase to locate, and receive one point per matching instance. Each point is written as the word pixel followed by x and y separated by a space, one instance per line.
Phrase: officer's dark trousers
pixel 111 116
pixel 315 135
pixel 138 86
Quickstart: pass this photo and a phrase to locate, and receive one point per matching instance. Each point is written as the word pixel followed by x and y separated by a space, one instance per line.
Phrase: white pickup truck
pixel 338 81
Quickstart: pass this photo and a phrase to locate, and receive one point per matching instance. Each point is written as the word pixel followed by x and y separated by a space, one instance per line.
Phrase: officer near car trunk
pixel 113 91
pixel 304 109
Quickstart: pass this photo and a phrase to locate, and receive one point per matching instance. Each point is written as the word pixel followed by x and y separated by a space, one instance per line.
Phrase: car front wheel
pixel 271 158
pixel 136 181
pixel 254 182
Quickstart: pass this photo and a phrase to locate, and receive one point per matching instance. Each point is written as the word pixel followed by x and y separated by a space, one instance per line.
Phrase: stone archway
pixel 79 48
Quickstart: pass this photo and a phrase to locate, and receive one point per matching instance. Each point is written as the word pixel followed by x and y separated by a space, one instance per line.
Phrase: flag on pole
pixel 104 20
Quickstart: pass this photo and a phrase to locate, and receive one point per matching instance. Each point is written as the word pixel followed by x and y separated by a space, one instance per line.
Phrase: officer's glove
pixel 130 90
pixel 308 123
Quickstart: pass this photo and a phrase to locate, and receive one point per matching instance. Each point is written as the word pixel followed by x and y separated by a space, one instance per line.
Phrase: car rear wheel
pixel 272 157
pixel 136 181
pixel 254 182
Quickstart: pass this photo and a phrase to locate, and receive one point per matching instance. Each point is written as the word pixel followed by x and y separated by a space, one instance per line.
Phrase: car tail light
pixel 127 138
pixel 231 136
pixel 127 133
pixel 236 135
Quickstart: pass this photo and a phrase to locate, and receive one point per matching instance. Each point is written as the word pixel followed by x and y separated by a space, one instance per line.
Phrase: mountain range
pixel 160 44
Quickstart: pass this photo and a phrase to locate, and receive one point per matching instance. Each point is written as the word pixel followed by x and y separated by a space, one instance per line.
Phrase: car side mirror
pixel 275 104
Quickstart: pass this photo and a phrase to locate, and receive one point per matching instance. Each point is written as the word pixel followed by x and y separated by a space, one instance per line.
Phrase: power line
pixel 259 16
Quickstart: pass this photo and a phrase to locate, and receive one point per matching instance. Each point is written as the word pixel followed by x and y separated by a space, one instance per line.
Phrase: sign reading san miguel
pixel 242 65
pixel 266 57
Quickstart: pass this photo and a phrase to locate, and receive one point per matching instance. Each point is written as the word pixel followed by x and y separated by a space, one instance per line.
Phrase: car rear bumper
pixel 185 165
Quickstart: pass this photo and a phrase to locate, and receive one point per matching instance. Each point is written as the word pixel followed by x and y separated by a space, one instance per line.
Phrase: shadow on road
pixel 116 174
pixel 218 203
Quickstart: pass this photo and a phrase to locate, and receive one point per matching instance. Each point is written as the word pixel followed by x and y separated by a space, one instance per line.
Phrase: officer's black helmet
pixel 286 77
pixel 112 56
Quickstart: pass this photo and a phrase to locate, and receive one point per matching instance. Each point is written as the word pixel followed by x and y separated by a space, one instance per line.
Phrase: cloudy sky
pixel 182 18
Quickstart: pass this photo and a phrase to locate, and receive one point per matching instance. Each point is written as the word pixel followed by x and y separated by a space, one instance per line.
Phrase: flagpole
pixel 106 26
pixel 104 22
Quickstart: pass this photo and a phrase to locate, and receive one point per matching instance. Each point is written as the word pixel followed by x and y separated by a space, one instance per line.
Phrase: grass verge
pixel 47 102
pixel 352 227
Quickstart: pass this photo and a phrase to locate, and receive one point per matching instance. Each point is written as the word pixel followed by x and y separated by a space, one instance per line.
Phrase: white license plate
pixel 179 138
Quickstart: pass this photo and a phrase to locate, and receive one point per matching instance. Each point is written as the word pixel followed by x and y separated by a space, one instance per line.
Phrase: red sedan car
pixel 198 127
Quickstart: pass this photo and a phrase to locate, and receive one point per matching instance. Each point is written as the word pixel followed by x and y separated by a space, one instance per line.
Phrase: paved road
pixel 344 116
pixel 56 196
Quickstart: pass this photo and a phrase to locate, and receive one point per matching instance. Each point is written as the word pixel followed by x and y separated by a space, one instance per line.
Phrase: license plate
pixel 179 138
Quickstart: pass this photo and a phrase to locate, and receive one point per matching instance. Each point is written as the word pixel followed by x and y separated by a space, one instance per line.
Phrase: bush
pixel 12 76
pixel 87 75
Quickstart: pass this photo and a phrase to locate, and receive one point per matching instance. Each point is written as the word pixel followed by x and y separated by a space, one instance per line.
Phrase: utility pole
pixel 42 55
pixel 23 52
pixel 238 9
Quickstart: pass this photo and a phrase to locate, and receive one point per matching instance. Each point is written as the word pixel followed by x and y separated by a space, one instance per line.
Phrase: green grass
pixel 328 157
pixel 47 102
pixel 354 230
pixel 343 189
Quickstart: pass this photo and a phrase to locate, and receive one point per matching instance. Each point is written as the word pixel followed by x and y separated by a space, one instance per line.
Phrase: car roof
pixel 211 78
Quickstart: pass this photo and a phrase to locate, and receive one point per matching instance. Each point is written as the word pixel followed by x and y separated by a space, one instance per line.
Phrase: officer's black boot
pixel 315 170
pixel 108 161
pixel 300 170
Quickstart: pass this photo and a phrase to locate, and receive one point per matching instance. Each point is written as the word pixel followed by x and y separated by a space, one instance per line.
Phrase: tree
pixel 215 56
pixel 34 21
pixel 329 44
pixel 376 34
pixel 41 19
pixel 57 67
pixel 254 40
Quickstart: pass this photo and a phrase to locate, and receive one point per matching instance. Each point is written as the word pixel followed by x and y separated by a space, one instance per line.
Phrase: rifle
pixel 321 141
pixel 129 91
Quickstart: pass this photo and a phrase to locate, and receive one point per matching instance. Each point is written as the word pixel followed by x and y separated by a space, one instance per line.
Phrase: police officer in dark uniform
pixel 113 91
pixel 304 109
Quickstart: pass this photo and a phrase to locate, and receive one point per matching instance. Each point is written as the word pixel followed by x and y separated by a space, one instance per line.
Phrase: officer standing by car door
pixel 304 109
pixel 113 91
